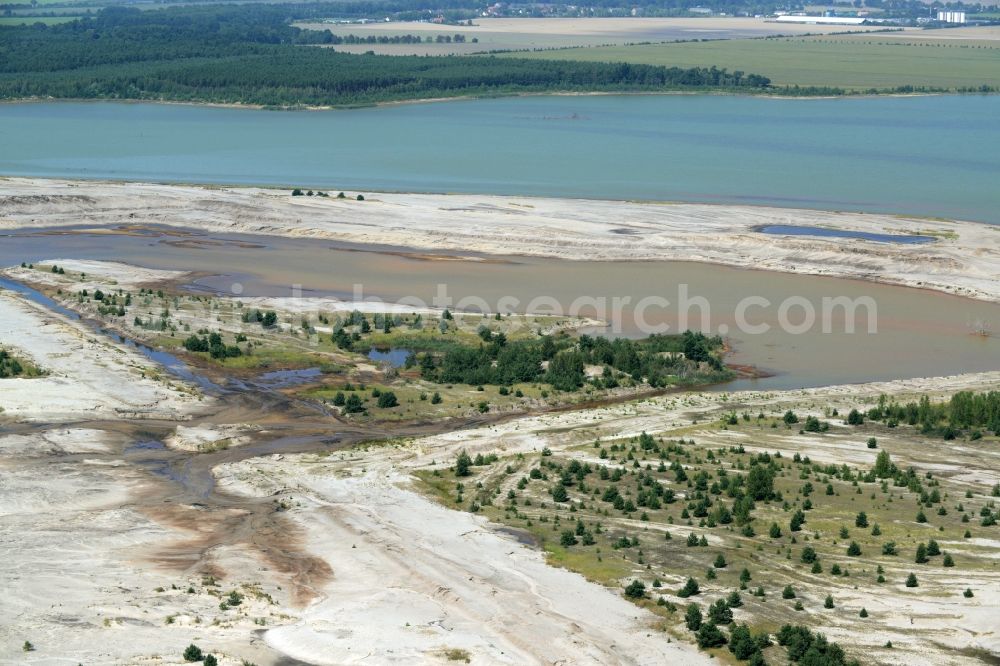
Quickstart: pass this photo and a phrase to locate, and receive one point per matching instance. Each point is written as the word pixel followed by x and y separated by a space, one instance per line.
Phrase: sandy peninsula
pixel 87 376
pixel 964 260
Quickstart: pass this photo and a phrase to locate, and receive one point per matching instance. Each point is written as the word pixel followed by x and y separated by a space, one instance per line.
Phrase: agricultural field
pixel 828 512
pixel 31 20
pixel 853 62
pixel 989 33
pixel 49 12
pixel 502 34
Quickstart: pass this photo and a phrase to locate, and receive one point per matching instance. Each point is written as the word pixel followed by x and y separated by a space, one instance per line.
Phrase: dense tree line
pixel 965 410
pixel 251 54
pixel 497 361
pixel 625 354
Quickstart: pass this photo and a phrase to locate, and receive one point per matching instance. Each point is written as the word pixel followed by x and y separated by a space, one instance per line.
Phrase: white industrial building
pixel 951 17
pixel 821 20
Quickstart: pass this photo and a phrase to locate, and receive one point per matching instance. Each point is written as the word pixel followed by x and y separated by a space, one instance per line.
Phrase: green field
pixel 31 20
pixel 852 62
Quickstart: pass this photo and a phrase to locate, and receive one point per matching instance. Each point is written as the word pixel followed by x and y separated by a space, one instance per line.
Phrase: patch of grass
pixel 439 486
pixel 278 357
pixel 12 365
pixel 213 447
pixel 607 570
pixel 950 235
pixel 272 355
pixel 457 654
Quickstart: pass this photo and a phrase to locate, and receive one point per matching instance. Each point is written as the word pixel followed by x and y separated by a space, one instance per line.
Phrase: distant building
pixel 821 20
pixel 951 17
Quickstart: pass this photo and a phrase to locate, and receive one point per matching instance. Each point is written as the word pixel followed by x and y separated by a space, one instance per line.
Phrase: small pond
pixel 394 357
pixel 793 230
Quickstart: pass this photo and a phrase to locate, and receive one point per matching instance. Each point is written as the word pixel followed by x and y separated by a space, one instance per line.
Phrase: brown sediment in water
pixel 186 238
pixel 199 243
pixel 745 371
pixel 142 230
pixel 427 256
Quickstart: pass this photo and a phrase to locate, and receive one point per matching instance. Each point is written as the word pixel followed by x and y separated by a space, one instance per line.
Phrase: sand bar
pixel 965 259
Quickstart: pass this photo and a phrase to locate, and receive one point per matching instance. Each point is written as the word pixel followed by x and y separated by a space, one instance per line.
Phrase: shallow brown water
pixel 918 333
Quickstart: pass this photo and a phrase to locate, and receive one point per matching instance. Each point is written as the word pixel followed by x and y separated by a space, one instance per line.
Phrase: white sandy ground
pixel 76 583
pixel 97 274
pixel 965 260
pixel 300 305
pixel 208 436
pixel 88 376
pixel 412 578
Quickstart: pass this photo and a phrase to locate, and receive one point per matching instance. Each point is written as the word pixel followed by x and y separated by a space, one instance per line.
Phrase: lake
pixel 930 155
pixel 921 155
pixel 919 333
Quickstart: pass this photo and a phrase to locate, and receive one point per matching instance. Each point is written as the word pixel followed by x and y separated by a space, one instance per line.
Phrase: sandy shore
pixel 965 260
pixel 87 376
pixel 98 275
pixel 82 570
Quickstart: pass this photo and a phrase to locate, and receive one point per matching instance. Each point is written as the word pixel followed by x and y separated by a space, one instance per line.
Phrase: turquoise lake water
pixel 934 156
